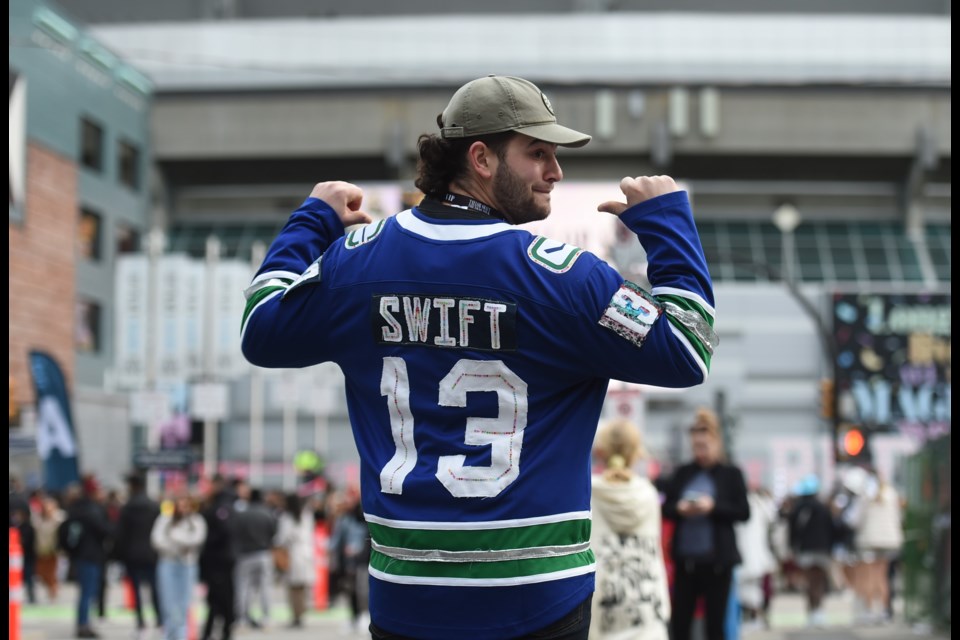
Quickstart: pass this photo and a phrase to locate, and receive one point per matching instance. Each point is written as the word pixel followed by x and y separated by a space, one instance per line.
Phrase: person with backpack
pixel 83 536
pixel 812 535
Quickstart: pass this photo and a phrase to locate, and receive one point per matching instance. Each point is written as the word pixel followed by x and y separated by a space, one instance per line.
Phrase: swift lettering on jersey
pixel 444 321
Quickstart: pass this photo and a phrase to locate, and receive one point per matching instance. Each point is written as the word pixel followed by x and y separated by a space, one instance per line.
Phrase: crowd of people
pixel 695 542
pixel 236 540
pixel 700 543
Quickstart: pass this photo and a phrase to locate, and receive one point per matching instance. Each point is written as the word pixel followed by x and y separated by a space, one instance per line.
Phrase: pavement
pixel 55 621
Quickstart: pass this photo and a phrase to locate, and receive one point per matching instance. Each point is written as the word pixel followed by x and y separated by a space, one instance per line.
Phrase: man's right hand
pixel 638 190
pixel 345 199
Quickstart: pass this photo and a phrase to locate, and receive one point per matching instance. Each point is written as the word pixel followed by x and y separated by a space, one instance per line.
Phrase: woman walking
pixel 295 536
pixel 177 536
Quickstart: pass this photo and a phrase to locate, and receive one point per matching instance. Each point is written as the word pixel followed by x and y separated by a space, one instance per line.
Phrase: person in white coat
pixel 879 536
pixel 295 533
pixel 177 535
pixel 753 540
pixel 632 600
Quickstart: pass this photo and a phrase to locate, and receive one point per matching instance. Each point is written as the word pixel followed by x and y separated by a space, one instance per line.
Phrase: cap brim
pixel 556 134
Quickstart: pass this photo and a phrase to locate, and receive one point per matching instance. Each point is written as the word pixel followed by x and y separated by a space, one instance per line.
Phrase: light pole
pixel 156 241
pixel 786 218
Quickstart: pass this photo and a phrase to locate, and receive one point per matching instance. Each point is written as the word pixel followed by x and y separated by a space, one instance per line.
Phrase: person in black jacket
pixel 705 498
pixel 88 517
pixel 811 534
pixel 133 548
pixel 20 519
pixel 218 558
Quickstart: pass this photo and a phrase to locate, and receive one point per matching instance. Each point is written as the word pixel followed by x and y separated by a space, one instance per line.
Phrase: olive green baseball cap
pixel 495 104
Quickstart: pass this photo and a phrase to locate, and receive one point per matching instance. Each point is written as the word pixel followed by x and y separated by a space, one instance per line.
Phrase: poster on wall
pixel 892 369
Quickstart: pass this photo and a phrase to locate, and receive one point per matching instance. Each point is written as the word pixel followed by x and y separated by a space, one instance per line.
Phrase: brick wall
pixel 43 268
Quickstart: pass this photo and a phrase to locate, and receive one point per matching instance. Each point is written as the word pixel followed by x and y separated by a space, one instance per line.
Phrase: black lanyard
pixel 465 202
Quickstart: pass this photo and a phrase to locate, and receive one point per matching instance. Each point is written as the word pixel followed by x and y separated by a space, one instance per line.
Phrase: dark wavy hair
pixel 444 160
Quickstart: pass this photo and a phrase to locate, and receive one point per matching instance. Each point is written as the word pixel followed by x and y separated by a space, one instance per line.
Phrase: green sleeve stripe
pixel 694 340
pixel 687 303
pixel 542 535
pixel 254 300
pixel 480 570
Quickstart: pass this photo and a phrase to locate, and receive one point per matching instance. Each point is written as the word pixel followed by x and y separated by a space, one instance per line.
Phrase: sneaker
pixel 87 632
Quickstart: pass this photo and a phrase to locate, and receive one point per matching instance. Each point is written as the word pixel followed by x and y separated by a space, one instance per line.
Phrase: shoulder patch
pixel 631 313
pixel 553 255
pixel 364 234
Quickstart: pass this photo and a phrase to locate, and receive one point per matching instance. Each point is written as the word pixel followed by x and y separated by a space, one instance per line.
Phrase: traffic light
pixel 853 444
pixel 827 399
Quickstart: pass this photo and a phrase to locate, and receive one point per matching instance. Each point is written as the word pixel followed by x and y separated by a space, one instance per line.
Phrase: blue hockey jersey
pixel 477 357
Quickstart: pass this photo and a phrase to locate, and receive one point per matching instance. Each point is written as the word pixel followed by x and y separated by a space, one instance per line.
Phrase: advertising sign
pixel 892 369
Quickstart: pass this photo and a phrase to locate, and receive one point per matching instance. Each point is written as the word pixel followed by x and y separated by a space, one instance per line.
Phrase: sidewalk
pixel 788 618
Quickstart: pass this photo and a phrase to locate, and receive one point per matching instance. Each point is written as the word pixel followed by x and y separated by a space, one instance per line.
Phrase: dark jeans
pixel 144 574
pixel 221 603
pixel 573 626
pixel 691 581
pixel 88 577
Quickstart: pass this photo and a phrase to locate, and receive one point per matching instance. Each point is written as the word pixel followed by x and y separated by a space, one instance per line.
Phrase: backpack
pixel 69 534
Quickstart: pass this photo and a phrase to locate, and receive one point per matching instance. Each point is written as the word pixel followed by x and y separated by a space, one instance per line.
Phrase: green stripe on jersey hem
pixel 541 535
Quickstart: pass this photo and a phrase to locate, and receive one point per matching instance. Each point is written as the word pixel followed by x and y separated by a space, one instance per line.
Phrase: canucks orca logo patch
pixel 553 255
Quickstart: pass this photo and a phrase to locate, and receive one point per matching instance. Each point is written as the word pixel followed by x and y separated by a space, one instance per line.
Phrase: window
pixel 87 332
pixel 88 235
pixel 128 239
pixel 91 145
pixel 128 159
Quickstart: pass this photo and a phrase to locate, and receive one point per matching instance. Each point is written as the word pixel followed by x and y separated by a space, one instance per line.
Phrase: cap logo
pixel 546 103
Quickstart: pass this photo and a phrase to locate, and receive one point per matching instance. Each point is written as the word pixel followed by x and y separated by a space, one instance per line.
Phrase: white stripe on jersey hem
pixel 689 295
pixel 410 222
pixel 693 352
pixel 473 526
pixel 274 274
pixel 246 324
pixel 483 582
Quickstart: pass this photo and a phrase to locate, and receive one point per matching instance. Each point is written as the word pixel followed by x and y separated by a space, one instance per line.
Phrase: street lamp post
pixel 786 218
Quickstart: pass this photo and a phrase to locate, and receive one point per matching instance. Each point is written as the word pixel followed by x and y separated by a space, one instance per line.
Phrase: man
pixel 218 559
pixel 255 529
pixel 87 530
pixel 134 549
pixel 477 359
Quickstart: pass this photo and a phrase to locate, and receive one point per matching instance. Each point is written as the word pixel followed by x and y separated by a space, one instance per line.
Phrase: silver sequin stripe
pixel 438 555
pixel 272 282
pixel 695 322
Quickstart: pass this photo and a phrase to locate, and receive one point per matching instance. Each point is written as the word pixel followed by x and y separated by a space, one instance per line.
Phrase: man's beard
pixel 515 199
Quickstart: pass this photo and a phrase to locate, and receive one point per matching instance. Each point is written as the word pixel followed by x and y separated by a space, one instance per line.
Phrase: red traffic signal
pixel 852 444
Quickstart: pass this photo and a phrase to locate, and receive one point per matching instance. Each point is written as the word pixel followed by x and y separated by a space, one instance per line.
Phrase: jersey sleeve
pixel 663 337
pixel 275 334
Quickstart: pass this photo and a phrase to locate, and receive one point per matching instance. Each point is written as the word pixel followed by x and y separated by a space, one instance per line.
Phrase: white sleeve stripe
pixel 696 356
pixel 289 275
pixel 246 324
pixel 689 295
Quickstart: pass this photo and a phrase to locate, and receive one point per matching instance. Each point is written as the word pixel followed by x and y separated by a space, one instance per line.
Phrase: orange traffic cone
pixel 129 601
pixel 321 585
pixel 16 583
pixel 191 624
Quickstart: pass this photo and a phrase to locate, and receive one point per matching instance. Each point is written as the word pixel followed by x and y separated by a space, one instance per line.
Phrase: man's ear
pixel 481 159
